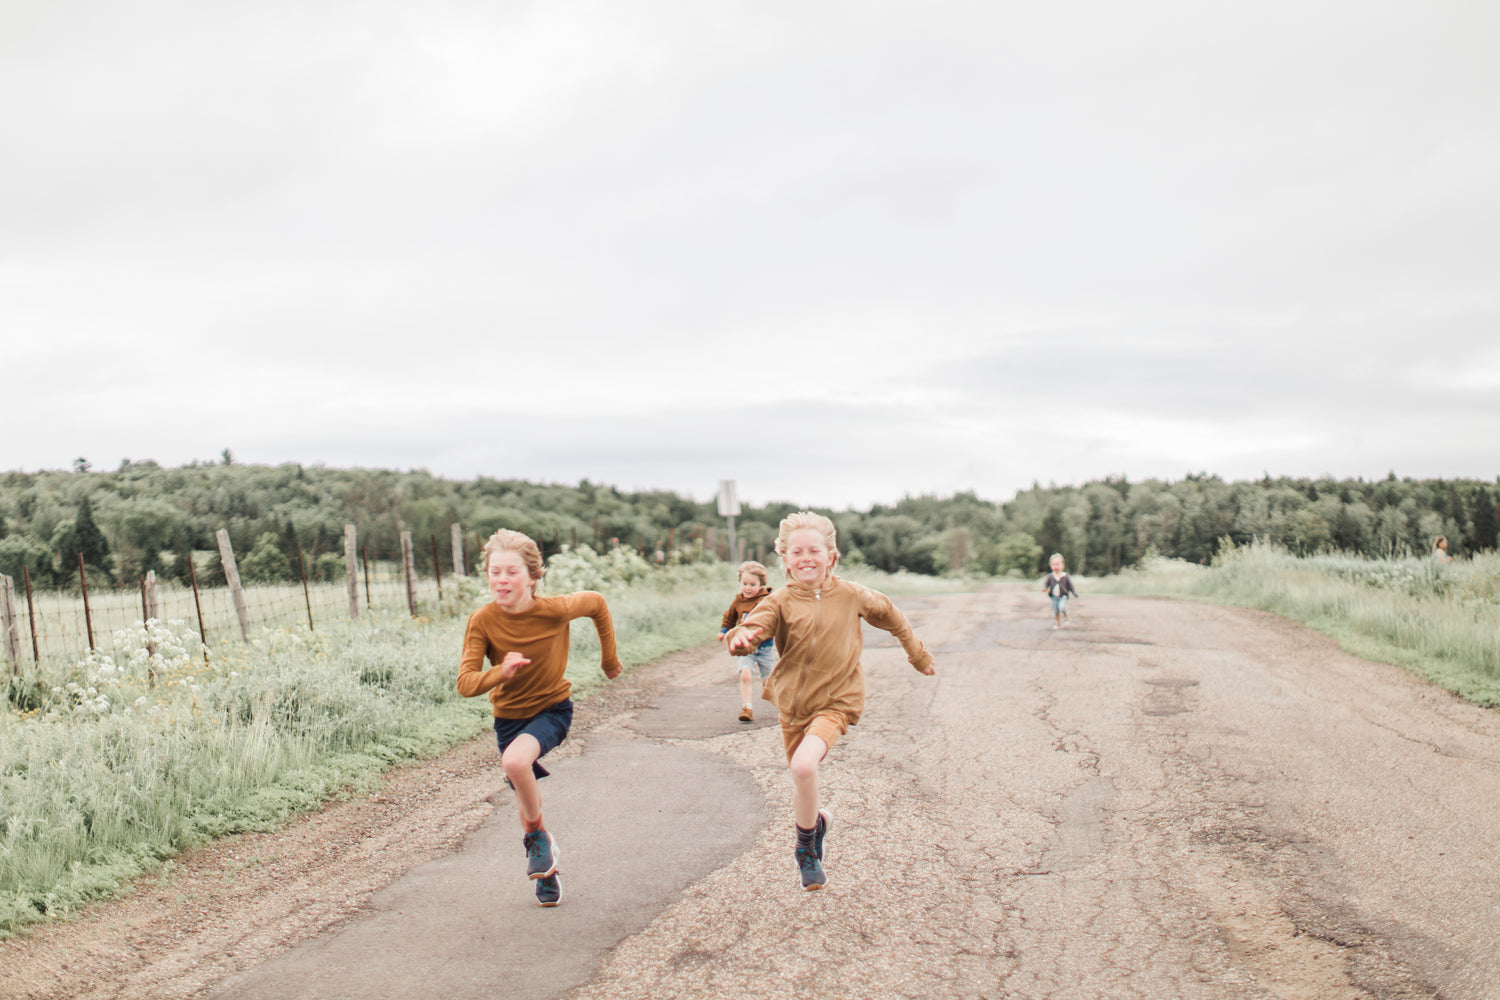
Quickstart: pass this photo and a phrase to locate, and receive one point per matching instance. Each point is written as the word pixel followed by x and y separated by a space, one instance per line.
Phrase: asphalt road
pixel 1165 800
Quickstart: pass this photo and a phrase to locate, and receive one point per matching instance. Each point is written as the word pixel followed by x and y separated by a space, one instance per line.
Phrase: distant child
pixel 752 588
pixel 1440 549
pixel 1058 586
pixel 818 685
pixel 525 638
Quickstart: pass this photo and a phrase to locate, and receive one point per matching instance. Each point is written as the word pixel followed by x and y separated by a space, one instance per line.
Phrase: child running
pixel 763 657
pixel 1058 586
pixel 525 638
pixel 818 685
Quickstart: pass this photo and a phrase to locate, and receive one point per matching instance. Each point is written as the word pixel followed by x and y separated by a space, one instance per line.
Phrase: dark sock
pixel 805 837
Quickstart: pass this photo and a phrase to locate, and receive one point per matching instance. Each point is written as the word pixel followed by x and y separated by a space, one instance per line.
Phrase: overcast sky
pixel 840 252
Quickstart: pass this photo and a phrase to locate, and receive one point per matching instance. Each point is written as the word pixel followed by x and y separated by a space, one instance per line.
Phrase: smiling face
pixel 807 557
pixel 509 580
pixel 1057 564
pixel 749 584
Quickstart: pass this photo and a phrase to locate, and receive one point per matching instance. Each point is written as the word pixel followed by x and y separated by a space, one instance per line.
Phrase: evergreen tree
pixel 289 542
pixel 91 542
pixel 182 554
pixel 1484 522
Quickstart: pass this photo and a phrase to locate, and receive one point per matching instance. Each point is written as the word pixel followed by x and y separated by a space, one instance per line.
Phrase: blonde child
pixel 763 658
pixel 525 638
pixel 1058 586
pixel 818 685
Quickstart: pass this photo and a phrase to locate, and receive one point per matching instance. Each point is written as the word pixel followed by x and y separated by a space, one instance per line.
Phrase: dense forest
pixel 144 517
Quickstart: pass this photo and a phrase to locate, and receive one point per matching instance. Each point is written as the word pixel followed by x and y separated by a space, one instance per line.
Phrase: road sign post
pixel 729 506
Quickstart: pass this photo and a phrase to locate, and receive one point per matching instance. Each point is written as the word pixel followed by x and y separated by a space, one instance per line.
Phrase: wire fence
pixel 51 627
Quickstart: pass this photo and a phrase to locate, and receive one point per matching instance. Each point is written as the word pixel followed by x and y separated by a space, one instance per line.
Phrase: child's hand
pixel 746 640
pixel 721 637
pixel 929 669
pixel 612 670
pixel 512 662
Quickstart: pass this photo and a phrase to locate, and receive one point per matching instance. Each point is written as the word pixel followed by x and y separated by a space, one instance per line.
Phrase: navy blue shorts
pixel 549 728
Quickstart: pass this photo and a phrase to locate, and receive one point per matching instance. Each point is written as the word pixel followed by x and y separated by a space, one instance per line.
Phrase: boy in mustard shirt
pixel 525 638
pixel 818 685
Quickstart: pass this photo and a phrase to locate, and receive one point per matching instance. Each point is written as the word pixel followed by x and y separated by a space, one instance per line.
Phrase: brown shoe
pixel 747 714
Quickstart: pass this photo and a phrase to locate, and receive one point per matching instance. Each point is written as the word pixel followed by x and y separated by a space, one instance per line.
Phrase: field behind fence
pixel 40 627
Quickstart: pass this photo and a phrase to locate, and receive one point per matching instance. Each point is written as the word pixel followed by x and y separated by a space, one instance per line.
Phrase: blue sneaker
pixel 813 876
pixel 820 830
pixel 541 854
pixel 549 890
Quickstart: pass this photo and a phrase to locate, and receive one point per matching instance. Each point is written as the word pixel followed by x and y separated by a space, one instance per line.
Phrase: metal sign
pixel 729 503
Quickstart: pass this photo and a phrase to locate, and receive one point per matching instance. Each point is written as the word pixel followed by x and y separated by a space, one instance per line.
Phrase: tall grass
pixel 1442 621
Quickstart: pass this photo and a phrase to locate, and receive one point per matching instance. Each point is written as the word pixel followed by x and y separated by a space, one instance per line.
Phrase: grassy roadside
pixel 1440 621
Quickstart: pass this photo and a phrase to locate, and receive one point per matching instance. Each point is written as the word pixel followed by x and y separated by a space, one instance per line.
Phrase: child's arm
pixel 727 622
pixel 878 610
pixel 1071 589
pixel 473 679
pixel 758 625
pixel 590 604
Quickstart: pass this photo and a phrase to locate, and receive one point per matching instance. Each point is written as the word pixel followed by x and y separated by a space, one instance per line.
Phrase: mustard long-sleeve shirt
pixel 541 635
pixel 818 638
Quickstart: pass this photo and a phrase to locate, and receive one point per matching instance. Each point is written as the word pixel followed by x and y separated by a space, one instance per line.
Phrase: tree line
pixel 144 517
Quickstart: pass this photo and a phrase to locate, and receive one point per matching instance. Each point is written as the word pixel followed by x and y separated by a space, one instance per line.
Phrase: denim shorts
pixel 549 728
pixel 1060 605
pixel 763 659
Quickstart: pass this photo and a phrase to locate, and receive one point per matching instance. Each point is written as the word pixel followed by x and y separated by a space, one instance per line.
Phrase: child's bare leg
pixel 745 686
pixel 804 770
pixel 517 761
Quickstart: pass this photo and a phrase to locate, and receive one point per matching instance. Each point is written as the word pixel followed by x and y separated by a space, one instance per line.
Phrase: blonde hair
pixel 506 540
pixel 754 568
pixel 1058 557
pixel 812 522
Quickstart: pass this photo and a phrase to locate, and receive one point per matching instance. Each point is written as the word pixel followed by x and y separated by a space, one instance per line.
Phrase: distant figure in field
pixel 1440 549
pixel 818 685
pixel 1058 586
pixel 753 588
pixel 525 638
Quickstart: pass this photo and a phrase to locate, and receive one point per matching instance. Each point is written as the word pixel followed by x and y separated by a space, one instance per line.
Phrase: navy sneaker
pixel 820 830
pixel 541 854
pixel 549 890
pixel 813 876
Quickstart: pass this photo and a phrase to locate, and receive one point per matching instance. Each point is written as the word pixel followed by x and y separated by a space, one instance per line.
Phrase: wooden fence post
pixel 232 574
pixel 31 613
pixel 437 568
pixel 198 605
pixel 458 550
pixel 10 623
pixel 88 614
pixel 409 569
pixel 153 601
pixel 306 596
pixel 351 572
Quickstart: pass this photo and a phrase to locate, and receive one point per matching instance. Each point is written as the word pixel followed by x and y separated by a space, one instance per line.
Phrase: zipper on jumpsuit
pixel 812 649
